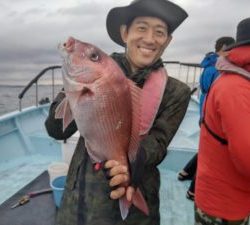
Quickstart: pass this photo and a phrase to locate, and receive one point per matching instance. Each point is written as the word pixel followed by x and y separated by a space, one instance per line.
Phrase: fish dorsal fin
pixel 63 112
pixel 145 104
pixel 151 97
pixel 136 114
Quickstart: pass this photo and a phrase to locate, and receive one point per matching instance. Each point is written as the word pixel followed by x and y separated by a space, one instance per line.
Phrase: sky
pixel 30 31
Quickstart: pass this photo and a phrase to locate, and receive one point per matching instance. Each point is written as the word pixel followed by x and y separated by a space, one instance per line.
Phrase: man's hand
pixel 119 174
pixel 129 193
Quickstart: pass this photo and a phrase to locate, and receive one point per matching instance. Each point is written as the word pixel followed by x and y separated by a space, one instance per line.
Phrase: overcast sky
pixel 32 29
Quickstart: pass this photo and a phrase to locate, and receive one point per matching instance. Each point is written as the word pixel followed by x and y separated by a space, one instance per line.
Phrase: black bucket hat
pixel 169 12
pixel 242 34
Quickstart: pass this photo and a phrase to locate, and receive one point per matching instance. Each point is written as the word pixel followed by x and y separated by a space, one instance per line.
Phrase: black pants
pixel 190 168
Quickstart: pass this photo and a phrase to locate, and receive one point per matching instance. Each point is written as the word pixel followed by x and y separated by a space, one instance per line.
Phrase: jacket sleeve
pixel 55 126
pixel 207 78
pixel 171 112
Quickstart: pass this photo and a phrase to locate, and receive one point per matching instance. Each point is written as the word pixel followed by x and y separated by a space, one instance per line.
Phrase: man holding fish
pixel 127 110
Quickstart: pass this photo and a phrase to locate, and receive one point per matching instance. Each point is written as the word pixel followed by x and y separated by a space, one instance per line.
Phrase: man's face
pixel 146 40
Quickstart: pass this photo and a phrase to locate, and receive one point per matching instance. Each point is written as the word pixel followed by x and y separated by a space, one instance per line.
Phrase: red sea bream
pixel 106 107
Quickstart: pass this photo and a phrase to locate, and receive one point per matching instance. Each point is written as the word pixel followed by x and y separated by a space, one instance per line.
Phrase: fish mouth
pixel 86 92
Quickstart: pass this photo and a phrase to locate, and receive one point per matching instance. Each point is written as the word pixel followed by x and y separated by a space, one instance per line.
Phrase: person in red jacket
pixel 208 76
pixel 223 173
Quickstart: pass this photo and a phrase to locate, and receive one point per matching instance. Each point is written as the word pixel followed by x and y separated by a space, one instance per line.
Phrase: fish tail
pixel 124 207
pixel 139 201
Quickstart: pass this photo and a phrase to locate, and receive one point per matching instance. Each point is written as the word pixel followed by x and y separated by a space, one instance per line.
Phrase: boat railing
pixel 186 72
pixel 35 81
pixel 189 73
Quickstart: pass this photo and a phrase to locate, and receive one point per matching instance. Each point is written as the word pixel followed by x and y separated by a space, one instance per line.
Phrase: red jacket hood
pixel 237 61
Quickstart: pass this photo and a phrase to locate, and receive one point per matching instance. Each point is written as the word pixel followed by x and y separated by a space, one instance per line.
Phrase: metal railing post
pixel 194 77
pixel 35 81
pixel 53 85
pixel 187 75
pixel 20 105
pixel 36 94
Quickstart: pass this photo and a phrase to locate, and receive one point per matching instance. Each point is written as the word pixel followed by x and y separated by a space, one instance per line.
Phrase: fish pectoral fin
pixel 124 205
pixel 63 112
pixel 139 201
pixel 59 112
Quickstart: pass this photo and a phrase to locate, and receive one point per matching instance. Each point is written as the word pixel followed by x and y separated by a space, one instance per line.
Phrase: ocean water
pixel 9 100
pixel 9 93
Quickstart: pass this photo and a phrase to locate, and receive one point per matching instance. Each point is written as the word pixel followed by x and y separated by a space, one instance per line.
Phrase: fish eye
pixel 94 57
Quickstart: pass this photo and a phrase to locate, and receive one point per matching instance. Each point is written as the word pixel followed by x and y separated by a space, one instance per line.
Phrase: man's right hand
pixel 119 175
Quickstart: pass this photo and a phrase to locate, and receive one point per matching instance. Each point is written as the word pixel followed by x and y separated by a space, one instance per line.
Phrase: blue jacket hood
pixel 209 60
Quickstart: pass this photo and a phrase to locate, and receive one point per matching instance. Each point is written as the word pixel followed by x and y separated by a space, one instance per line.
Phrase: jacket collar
pixel 223 65
pixel 140 76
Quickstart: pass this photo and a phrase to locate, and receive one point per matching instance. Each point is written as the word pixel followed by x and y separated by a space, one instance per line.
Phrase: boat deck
pixel 175 208
pixel 17 171
pixel 15 174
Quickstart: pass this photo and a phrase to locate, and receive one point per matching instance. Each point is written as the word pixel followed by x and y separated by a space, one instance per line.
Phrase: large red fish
pixel 106 107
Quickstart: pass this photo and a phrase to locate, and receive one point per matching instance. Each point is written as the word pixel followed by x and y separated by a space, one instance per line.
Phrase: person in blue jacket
pixel 210 73
pixel 208 76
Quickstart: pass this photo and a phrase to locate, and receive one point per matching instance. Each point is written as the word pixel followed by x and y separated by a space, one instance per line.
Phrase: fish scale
pixel 106 120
